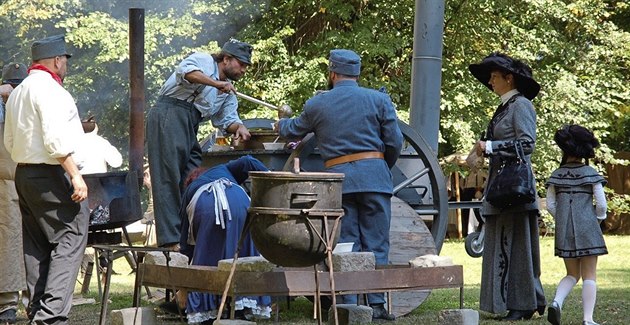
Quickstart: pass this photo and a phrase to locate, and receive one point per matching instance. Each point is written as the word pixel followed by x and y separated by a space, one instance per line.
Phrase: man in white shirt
pixel 98 152
pixel 43 133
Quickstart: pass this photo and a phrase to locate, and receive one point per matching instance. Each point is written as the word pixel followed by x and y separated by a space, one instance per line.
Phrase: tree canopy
pixel 579 51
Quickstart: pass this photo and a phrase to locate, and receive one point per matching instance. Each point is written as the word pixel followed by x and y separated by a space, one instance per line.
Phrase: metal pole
pixel 283 110
pixel 256 101
pixel 136 85
pixel 426 76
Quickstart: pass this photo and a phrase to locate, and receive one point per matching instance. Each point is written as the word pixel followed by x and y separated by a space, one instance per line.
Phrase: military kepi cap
pixel 240 50
pixel 49 47
pixel 344 62
pixel 13 73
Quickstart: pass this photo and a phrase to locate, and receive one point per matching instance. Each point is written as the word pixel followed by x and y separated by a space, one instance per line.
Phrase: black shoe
pixel 8 316
pixel 379 312
pixel 554 314
pixel 171 307
pixel 518 315
pixel 541 310
pixel 240 314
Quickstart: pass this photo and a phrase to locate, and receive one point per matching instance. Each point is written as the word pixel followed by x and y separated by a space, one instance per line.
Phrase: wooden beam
pixel 300 282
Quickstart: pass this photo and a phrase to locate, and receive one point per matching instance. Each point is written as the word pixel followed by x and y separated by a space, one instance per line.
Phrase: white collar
pixel 505 97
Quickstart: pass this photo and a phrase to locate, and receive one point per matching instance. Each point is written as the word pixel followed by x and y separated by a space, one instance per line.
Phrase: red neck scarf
pixel 37 66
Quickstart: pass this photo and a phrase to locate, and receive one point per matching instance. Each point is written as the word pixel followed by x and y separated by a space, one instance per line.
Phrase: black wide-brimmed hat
pixel 522 73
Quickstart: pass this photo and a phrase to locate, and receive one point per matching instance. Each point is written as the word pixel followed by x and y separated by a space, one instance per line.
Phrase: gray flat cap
pixel 240 50
pixel 49 47
pixel 13 73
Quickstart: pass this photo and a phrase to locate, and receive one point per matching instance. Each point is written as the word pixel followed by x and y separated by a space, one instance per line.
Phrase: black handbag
pixel 513 184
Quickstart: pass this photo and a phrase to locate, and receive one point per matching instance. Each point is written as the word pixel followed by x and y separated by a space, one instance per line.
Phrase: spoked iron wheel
pixel 420 197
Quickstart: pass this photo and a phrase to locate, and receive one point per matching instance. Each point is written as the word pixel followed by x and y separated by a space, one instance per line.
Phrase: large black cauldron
pixel 293 215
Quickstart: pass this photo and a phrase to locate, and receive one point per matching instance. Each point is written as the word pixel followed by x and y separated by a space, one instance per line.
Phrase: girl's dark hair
pixel 193 175
pixel 576 141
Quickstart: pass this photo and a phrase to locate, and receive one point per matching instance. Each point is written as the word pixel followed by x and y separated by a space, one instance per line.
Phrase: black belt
pixel 35 165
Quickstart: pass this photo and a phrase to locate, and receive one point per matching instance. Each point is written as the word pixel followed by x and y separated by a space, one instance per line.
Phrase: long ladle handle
pixel 256 101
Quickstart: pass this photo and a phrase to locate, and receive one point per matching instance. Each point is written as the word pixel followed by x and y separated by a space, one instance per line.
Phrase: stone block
pixel 247 264
pixel 78 301
pixel 353 261
pixel 351 314
pixel 158 258
pixel 458 317
pixel 232 322
pixel 431 261
pixel 131 316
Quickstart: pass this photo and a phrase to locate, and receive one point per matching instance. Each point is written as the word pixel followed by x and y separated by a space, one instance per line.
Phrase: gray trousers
pixel 54 232
pixel 173 152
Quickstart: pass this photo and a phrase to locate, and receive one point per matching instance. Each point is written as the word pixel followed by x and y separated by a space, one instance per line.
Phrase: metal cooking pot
pixel 293 237
pixel 258 137
pixel 288 215
pixel 287 190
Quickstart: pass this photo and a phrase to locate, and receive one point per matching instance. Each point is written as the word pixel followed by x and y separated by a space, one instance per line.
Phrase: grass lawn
pixel 613 294
pixel 613 282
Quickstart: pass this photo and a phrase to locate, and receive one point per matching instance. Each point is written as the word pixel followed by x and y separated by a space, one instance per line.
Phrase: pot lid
pixel 292 212
pixel 298 176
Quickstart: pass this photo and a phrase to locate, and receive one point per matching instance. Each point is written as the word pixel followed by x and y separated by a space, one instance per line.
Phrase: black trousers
pixel 54 232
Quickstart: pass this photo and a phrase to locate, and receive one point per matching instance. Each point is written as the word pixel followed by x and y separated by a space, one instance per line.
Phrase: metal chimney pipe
pixel 136 85
pixel 426 74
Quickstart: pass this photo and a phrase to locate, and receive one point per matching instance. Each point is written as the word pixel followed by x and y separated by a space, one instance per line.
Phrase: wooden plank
pixel 298 283
pixel 409 238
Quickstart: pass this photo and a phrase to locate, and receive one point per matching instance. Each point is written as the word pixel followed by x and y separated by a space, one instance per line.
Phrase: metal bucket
pixel 287 190
pixel 294 237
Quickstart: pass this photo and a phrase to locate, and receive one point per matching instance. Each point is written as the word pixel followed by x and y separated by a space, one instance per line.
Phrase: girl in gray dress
pixel 571 190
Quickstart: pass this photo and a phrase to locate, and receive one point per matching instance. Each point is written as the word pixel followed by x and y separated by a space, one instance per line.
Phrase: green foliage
pixel 577 57
pixel 618 203
pixel 612 286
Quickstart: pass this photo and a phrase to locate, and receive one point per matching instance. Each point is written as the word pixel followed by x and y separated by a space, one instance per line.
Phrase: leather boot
pixel 380 312
pixel 8 316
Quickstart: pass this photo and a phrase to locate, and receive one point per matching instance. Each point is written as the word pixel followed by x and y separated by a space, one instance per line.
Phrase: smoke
pixel 106 96
pixel 96 33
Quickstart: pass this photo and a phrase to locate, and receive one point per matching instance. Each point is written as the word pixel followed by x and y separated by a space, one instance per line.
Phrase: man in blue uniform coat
pixel 358 135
